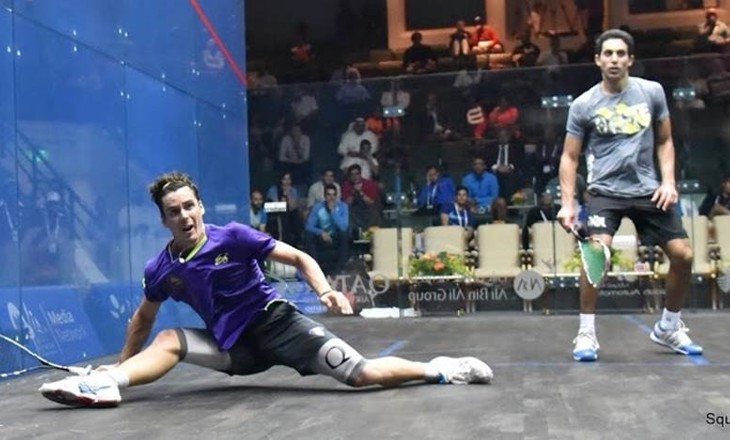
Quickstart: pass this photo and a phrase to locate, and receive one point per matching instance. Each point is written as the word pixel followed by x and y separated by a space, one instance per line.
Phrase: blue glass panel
pixel 161 138
pixel 10 209
pixel 70 131
pixel 160 39
pixel 91 22
pixel 224 176
pixel 216 80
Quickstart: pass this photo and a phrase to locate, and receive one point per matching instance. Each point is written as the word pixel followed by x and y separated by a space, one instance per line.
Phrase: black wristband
pixel 320 295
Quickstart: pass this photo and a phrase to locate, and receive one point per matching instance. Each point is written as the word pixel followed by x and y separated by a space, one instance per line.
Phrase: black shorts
pixel 654 226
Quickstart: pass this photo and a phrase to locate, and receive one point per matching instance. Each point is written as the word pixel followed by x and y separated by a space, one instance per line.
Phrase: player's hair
pixel 615 33
pixel 168 183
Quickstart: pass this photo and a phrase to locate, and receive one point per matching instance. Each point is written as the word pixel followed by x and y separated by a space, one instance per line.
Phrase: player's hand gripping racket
pixel 594 254
pixel 15 354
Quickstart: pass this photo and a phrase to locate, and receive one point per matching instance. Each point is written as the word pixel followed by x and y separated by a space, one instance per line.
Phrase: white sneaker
pixel 97 390
pixel 677 340
pixel 462 370
pixel 586 347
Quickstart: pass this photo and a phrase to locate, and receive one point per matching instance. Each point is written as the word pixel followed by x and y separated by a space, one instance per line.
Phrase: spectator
pixel 482 185
pixel 506 161
pixel 485 38
pixel 419 58
pixel 555 56
pixel 328 227
pixel 382 127
pixel 459 46
pixel 49 246
pixel 257 214
pixel 439 191
pixel 504 116
pixel 352 92
pixel 460 213
pixel 547 159
pixel 351 142
pixel 285 226
pixel 712 33
pixel 363 197
pixel 316 190
pixel 304 107
pixel 368 163
pixel 545 211
pixel 294 151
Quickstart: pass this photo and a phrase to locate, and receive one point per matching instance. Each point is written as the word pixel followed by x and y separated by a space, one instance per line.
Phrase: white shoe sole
pixel 65 397
pixel 656 340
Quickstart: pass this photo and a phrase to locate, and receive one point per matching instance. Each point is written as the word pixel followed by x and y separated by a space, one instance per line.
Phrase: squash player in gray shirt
pixel 623 122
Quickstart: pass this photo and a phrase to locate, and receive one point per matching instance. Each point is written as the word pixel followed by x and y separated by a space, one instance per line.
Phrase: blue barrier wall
pixel 97 98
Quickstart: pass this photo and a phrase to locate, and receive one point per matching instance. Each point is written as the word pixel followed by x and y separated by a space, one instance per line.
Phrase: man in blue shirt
pixel 328 226
pixel 249 327
pixel 438 191
pixel 482 185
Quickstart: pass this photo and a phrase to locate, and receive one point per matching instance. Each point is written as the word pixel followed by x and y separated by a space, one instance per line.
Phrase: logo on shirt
pixel 221 259
pixel 622 119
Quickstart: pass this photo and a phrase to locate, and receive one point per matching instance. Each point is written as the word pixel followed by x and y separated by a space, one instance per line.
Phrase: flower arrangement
pixel 618 261
pixel 441 264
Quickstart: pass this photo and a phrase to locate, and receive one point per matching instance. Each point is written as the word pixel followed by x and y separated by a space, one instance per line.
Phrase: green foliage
pixel 441 264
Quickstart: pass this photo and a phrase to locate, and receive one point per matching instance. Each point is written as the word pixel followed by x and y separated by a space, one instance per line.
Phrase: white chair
pixel 449 239
pixel 499 251
pixel 384 249
pixel 552 247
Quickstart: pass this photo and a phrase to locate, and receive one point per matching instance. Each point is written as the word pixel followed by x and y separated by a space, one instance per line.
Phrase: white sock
pixel 670 320
pixel 119 377
pixel 587 323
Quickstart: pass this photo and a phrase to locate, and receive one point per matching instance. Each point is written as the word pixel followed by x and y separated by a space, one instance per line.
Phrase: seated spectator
pixel 352 92
pixel 419 58
pixel 304 107
pixel 294 152
pixel 363 197
pixel 47 245
pixel 485 38
pixel 285 226
pixel 383 128
pixel 302 54
pixel 438 191
pixel 316 190
pixel 547 159
pixel 722 201
pixel 504 116
pixel 328 227
pixel 506 161
pixel 351 142
pixel 482 185
pixel 431 121
pixel 257 214
pixel 460 212
pixel 368 163
pixel 526 53
pixel 499 211
pixel 459 46
pixel 713 34
pixel 545 211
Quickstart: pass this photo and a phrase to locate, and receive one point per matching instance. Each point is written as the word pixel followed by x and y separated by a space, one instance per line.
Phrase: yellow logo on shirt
pixel 221 259
pixel 622 119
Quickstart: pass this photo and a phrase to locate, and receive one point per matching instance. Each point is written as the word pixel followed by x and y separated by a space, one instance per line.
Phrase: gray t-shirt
pixel 618 137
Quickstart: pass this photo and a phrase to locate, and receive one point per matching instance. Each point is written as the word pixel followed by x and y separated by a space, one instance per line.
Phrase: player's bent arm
pixel 284 253
pixel 139 328
pixel 334 300
pixel 568 168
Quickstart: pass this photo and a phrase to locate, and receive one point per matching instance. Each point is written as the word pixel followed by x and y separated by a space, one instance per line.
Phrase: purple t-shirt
pixel 222 281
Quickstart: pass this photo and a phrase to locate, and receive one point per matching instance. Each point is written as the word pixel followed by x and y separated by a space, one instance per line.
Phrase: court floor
pixel 636 390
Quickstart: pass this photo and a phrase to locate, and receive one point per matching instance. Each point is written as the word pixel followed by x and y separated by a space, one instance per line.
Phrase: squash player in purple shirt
pixel 249 327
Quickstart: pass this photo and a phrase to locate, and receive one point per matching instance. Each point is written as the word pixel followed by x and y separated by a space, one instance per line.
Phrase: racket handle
pixel 80 371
